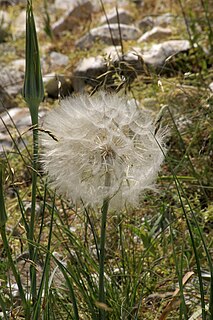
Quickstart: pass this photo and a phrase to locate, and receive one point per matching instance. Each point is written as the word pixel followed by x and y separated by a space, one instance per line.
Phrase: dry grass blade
pixel 175 301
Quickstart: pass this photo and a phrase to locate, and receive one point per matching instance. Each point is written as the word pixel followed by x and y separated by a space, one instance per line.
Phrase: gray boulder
pixel 5 23
pixel 6 101
pixel 156 33
pixel 164 20
pixel 12 77
pixel 103 33
pixel 58 59
pixel 87 71
pixel 12 2
pixel 73 18
pixel 124 17
pixel 158 53
pixel 107 69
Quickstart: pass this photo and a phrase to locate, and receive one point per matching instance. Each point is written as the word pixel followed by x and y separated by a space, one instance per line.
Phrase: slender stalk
pixel 104 211
pixel 32 252
pixel 33 93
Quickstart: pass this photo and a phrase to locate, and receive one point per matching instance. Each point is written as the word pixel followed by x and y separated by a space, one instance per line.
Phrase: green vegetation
pixel 158 258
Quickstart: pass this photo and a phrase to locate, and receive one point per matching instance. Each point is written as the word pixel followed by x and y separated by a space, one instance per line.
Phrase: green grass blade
pixel 3 214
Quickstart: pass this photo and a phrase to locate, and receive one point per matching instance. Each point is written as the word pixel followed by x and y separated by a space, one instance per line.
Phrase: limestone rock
pixel 21 120
pixel 86 72
pixel 146 23
pixel 102 33
pixel 157 33
pixel 12 77
pixel 104 70
pixel 124 17
pixel 211 86
pixel 58 59
pixel 131 60
pixel 158 53
pixel 73 18
pixel 19 24
pixel 5 22
pixel 65 4
pixel 12 2
pixel 6 101
pixel 164 20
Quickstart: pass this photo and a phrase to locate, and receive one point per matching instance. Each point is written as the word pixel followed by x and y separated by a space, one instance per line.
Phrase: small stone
pixel 164 20
pixel 6 101
pixel 5 22
pixel 12 2
pixel 157 33
pixel 95 71
pixel 12 77
pixel 19 24
pixel 65 4
pixel 58 59
pixel 122 16
pixel 103 33
pixel 73 18
pixel 158 53
pixel 146 23
pixel 15 119
pixel 87 71
pixel 131 61
pixel 211 86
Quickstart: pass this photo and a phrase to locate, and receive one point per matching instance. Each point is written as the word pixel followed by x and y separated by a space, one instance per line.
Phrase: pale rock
pixel 102 33
pixel 131 61
pixel 157 33
pixel 16 119
pixel 5 22
pixel 6 101
pixel 20 118
pixel 124 16
pixel 86 72
pixel 158 53
pixel 164 20
pixel 73 18
pixel 12 2
pixel 211 86
pixel 65 4
pixel 89 71
pixel 146 23
pixel 12 77
pixel 58 59
pixel 19 24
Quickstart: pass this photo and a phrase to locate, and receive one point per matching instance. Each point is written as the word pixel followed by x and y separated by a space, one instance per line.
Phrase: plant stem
pixel 104 211
pixel 32 253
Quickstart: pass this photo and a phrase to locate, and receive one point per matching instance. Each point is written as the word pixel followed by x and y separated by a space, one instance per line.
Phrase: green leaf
pixel 3 214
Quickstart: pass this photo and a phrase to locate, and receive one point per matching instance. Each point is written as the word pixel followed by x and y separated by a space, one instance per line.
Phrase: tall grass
pixel 109 265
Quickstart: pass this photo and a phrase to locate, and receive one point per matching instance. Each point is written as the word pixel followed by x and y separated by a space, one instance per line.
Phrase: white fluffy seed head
pixel 101 136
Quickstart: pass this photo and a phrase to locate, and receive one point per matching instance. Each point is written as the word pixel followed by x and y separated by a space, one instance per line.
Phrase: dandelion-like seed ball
pixel 99 147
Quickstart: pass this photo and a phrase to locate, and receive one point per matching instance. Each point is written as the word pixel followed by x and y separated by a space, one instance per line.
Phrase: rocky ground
pixel 84 48
pixel 156 51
